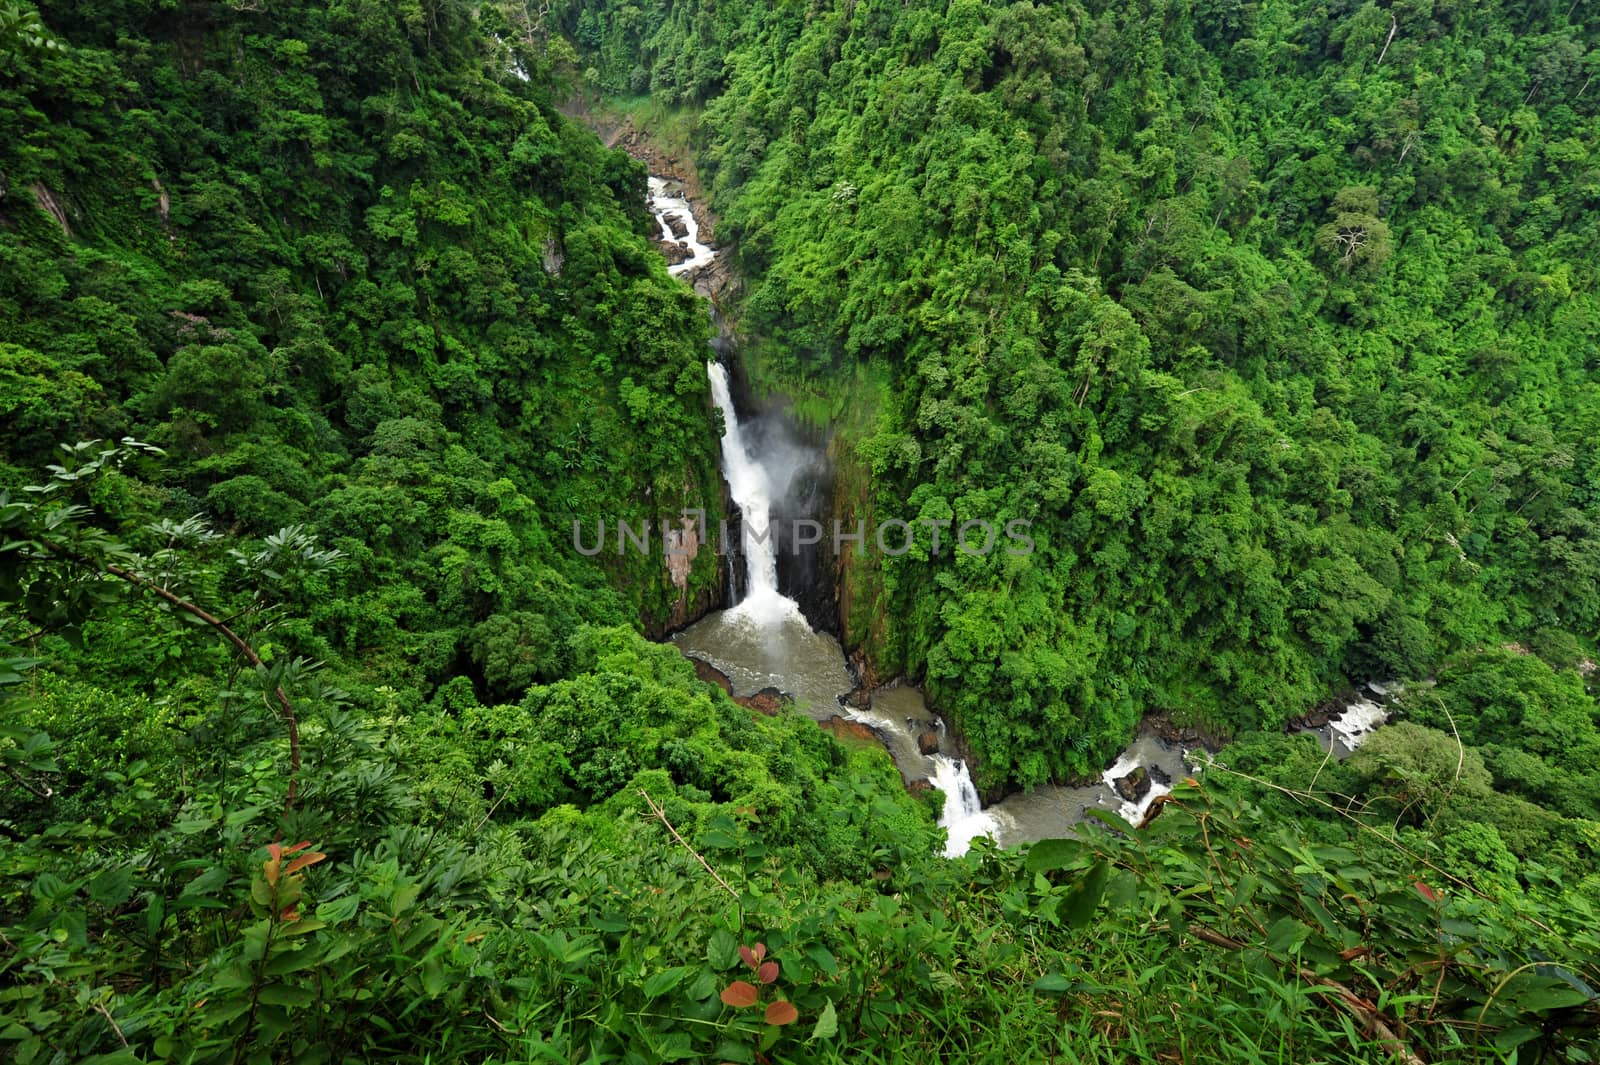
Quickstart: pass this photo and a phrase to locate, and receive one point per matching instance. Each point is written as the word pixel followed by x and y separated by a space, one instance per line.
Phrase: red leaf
pixel 302 845
pixel 1425 891
pixel 761 951
pixel 749 957
pixel 275 850
pixel 739 994
pixel 304 860
pixel 768 972
pixel 782 1013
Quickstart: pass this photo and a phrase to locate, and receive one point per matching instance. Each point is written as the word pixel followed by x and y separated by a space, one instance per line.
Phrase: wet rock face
pixel 768 701
pixel 928 742
pixel 1313 720
pixel 711 674
pixel 1134 786
pixel 846 729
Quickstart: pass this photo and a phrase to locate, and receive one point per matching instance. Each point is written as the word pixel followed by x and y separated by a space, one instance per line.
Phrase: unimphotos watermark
pixel 893 537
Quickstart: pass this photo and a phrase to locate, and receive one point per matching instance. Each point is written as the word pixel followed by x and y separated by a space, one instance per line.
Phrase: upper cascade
pixel 673 212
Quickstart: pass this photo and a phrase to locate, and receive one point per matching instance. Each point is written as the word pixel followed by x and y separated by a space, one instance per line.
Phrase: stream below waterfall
pixel 764 640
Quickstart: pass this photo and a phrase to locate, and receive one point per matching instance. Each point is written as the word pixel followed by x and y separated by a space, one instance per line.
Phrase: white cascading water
pixel 667 208
pixel 751 488
pixel 750 485
pixel 768 626
pixel 1362 718
pixel 1132 812
pixel 964 817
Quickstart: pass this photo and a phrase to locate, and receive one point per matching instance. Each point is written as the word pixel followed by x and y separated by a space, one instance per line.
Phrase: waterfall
pixel 765 627
pixel 751 488
pixel 964 817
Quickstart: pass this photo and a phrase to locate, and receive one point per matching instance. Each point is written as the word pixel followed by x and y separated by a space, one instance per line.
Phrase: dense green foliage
pixel 1283 332
pixel 346 267
pixel 319 743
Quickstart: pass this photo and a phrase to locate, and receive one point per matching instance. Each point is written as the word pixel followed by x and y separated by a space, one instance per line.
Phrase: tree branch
pixel 661 815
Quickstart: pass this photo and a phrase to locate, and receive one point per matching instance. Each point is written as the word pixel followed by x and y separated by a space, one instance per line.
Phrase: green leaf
pixel 718 841
pixel 112 887
pixel 1286 935
pixel 723 950
pixel 293 961
pixel 1080 907
pixel 1053 984
pixel 823 959
pixel 736 1052
pixel 341 909
pixel 1514 1037
pixel 1050 854
pixel 1553 996
pixel 827 1025
pixel 660 983
pixel 287 995
pixel 705 986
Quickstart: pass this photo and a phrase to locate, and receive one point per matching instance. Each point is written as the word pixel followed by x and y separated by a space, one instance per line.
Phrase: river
pixel 765 641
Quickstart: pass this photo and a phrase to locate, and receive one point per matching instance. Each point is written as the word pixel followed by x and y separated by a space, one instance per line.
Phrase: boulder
pixel 768 700
pixel 858 699
pixel 1134 786
pixel 843 728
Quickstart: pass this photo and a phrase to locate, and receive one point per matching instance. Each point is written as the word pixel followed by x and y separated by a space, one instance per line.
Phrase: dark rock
pixel 673 251
pixel 1160 776
pixel 1134 786
pixel 843 728
pixel 928 742
pixel 675 222
pixel 919 787
pixel 1314 719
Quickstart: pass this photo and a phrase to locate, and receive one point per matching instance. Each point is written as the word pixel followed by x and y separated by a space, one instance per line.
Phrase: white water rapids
pixel 669 205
